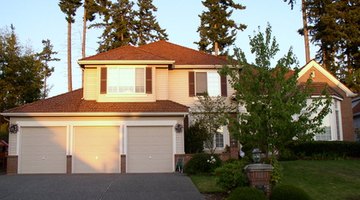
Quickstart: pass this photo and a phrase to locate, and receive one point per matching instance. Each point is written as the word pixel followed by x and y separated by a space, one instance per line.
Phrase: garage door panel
pixel 43 150
pixel 96 150
pixel 150 149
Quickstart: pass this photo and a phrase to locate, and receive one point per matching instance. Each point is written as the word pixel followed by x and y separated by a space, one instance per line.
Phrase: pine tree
pixel 334 26
pixel 69 7
pixel 118 24
pixel 147 29
pixel 21 73
pixel 91 9
pixel 46 56
pixel 217 31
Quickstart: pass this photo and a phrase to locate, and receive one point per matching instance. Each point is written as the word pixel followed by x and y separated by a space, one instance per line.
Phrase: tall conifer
pixel 69 7
pixel 217 31
pixel 147 29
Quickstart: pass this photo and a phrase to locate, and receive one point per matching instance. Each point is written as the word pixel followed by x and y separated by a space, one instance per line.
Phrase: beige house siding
pixel 91 84
pixel 161 83
pixel 179 87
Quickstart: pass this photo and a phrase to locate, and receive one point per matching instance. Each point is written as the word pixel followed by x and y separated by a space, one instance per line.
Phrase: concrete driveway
pixel 99 187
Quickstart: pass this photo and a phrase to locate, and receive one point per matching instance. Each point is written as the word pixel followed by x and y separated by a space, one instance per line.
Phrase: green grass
pixel 325 180
pixel 206 184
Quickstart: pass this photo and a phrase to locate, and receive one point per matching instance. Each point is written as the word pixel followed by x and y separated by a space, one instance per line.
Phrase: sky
pixel 35 20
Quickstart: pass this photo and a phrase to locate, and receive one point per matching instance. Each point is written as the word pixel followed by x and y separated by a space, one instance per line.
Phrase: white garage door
pixel 150 149
pixel 96 150
pixel 42 150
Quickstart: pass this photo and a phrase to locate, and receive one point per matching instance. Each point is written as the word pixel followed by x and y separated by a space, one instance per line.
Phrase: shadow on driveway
pixel 99 187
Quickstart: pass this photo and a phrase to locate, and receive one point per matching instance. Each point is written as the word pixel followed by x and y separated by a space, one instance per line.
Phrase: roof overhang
pixel 197 66
pixel 126 62
pixel 312 63
pixel 94 114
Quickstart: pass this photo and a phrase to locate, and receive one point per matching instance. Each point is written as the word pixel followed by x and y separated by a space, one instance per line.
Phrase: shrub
pixel 325 150
pixel 202 163
pixel 195 136
pixel 231 175
pixel 246 193
pixel 285 192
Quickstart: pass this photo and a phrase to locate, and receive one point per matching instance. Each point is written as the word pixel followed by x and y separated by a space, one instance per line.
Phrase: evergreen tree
pixel 46 56
pixel 118 25
pixel 217 31
pixel 147 29
pixel 276 106
pixel 91 9
pixel 334 26
pixel 69 7
pixel 21 73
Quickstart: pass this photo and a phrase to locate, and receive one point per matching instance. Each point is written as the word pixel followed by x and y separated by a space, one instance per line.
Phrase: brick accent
pixel 346 108
pixel 259 178
pixel 123 163
pixel 12 165
pixel 68 164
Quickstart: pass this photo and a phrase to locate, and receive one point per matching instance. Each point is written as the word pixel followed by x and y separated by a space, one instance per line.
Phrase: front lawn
pixel 328 180
pixel 322 180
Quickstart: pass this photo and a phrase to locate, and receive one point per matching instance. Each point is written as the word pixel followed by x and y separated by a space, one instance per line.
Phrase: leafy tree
pixel 46 56
pixel 69 7
pixel 118 25
pixel 277 107
pixel 195 136
pixel 217 31
pixel 21 73
pixel 147 29
pixel 210 113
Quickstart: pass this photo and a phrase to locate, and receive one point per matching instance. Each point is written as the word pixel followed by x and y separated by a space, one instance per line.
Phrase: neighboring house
pixel 130 115
pixel 339 122
pixel 356 116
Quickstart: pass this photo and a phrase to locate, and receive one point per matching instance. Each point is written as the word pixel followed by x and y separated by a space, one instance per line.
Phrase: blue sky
pixel 38 19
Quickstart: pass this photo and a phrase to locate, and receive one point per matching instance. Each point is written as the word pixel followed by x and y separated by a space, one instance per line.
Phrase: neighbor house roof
pixel 157 51
pixel 319 87
pixel 72 102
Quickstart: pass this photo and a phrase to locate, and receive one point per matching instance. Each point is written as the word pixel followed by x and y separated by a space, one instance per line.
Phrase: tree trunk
pixel 83 45
pixel 69 58
pixel 216 48
pixel 306 31
pixel 84 35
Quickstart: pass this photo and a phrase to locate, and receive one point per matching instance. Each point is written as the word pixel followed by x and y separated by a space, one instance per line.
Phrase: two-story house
pixel 130 115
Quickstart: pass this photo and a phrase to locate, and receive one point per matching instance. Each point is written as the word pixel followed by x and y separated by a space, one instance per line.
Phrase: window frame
pixel 207 83
pixel 109 69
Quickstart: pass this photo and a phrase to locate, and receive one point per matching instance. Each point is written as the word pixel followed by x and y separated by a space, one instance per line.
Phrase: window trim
pixel 126 93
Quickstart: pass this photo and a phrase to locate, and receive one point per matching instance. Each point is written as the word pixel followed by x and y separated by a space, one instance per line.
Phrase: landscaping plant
pixel 202 163
pixel 246 193
pixel 231 175
pixel 286 192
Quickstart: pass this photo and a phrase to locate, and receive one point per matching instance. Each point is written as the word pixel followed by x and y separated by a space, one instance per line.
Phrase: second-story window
pixel 125 80
pixel 208 82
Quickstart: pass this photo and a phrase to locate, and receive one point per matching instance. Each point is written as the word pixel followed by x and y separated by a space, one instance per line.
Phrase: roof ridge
pixel 198 51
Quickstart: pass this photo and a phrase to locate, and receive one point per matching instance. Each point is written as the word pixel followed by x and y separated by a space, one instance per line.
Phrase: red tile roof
pixel 182 55
pixel 125 53
pixel 161 50
pixel 318 88
pixel 73 102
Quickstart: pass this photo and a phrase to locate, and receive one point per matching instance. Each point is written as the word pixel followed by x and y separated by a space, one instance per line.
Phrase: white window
pixel 332 124
pixel 208 82
pixel 219 138
pixel 125 80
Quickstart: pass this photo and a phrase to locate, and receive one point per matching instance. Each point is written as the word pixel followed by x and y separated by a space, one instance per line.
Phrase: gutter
pixel 117 62
pixel 95 114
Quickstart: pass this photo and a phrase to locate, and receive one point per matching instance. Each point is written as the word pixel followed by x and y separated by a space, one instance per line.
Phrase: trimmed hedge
pixel 246 193
pixel 231 175
pixel 324 150
pixel 286 192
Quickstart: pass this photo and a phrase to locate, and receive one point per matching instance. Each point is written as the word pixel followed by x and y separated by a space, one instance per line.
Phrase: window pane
pixel 219 140
pixel 139 80
pixel 214 88
pixel 201 83
pixel 326 136
pixel 126 80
